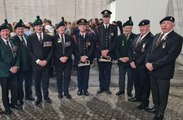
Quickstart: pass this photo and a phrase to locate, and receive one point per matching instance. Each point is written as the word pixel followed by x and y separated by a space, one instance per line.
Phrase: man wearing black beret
pixel 137 55
pixel 160 62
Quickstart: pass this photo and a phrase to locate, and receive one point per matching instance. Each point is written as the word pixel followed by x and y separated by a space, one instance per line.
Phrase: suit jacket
pixel 137 53
pixel 122 47
pixel 25 59
pixel 8 57
pixel 164 55
pixel 40 51
pixel 84 46
pixel 60 50
pixel 106 39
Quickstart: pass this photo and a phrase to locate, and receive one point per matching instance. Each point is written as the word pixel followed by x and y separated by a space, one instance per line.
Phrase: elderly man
pixel 160 62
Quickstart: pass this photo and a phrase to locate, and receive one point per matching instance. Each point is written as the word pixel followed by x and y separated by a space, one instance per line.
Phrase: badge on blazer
pixel 47 44
pixel 67 44
pixel 59 40
pixel 112 34
pixel 88 44
pixel 164 45
pixel 143 47
pixel 123 43
pixel 14 50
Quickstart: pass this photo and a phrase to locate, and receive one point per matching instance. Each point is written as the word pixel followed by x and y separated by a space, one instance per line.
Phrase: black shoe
pixel 68 96
pixel 48 100
pixel 151 110
pixel 86 93
pixel 16 106
pixel 79 92
pixel 60 96
pixel 134 99
pixel 120 93
pixel 142 107
pixel 108 91
pixel 158 117
pixel 7 112
pixel 38 101
pixel 100 91
pixel 130 95
pixel 30 98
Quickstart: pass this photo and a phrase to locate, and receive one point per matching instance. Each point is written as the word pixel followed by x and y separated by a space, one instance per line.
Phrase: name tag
pixel 47 44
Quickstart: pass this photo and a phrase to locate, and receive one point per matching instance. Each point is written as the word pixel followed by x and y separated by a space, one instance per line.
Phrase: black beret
pixel 4 25
pixel 144 22
pixel 106 13
pixel 129 22
pixel 82 21
pixel 61 23
pixel 19 24
pixel 168 18
pixel 38 21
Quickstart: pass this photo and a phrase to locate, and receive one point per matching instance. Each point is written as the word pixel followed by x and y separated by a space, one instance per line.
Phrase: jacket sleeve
pixel 30 48
pixel 113 42
pixel 70 51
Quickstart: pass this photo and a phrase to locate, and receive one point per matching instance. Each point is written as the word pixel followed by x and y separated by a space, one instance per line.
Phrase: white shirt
pixel 63 37
pixel 83 34
pixel 144 35
pixel 38 35
pixel 106 25
pixel 5 41
pixel 165 34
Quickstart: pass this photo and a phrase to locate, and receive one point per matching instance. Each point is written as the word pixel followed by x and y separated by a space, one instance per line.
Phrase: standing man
pixel 25 72
pixel 84 46
pixel 63 48
pixel 106 42
pixel 123 44
pixel 137 55
pixel 40 50
pixel 9 65
pixel 160 62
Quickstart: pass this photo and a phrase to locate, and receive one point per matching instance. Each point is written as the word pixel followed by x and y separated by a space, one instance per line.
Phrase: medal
pixel 143 47
pixel 164 45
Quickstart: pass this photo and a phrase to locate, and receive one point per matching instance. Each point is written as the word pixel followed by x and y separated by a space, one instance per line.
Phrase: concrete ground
pixel 99 107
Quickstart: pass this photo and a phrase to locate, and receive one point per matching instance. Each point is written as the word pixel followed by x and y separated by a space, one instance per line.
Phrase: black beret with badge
pixel 129 22
pixel 106 13
pixel 144 22
pixel 38 21
pixel 4 25
pixel 20 24
pixel 168 18
pixel 61 23
pixel 82 21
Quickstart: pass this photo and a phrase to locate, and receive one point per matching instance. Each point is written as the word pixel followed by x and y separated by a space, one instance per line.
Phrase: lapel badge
pixel 164 45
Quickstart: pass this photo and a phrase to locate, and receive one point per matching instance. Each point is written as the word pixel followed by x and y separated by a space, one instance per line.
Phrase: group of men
pixel 148 60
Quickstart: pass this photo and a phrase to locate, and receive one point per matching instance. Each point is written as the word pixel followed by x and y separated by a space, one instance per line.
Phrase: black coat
pixel 164 55
pixel 40 51
pixel 25 59
pixel 60 51
pixel 138 53
pixel 122 47
pixel 84 46
pixel 106 40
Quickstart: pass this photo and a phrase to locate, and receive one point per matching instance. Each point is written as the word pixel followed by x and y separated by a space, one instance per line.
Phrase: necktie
pixel 40 38
pixel 138 41
pixel 23 41
pixel 7 43
pixel 159 39
pixel 63 45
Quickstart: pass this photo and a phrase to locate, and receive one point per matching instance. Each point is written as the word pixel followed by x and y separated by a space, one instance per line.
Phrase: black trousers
pixel 27 78
pixel 41 78
pixel 83 77
pixel 4 81
pixel 142 84
pixel 160 91
pixel 63 75
pixel 104 74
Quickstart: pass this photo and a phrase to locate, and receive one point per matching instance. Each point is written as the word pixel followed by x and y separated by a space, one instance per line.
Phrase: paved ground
pixel 99 107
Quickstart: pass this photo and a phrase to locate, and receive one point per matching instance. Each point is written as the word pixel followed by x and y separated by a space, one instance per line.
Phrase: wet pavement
pixel 98 107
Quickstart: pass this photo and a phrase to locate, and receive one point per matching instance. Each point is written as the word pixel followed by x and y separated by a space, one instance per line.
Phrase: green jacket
pixel 25 59
pixel 122 48
pixel 8 58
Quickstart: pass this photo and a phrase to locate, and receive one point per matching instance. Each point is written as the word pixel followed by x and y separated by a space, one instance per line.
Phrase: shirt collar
pixel 143 36
pixel 5 41
pixel 83 34
pixel 165 34
pixel 38 34
pixel 106 25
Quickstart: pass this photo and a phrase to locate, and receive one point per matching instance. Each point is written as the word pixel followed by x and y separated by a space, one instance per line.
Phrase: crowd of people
pixel 28 51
